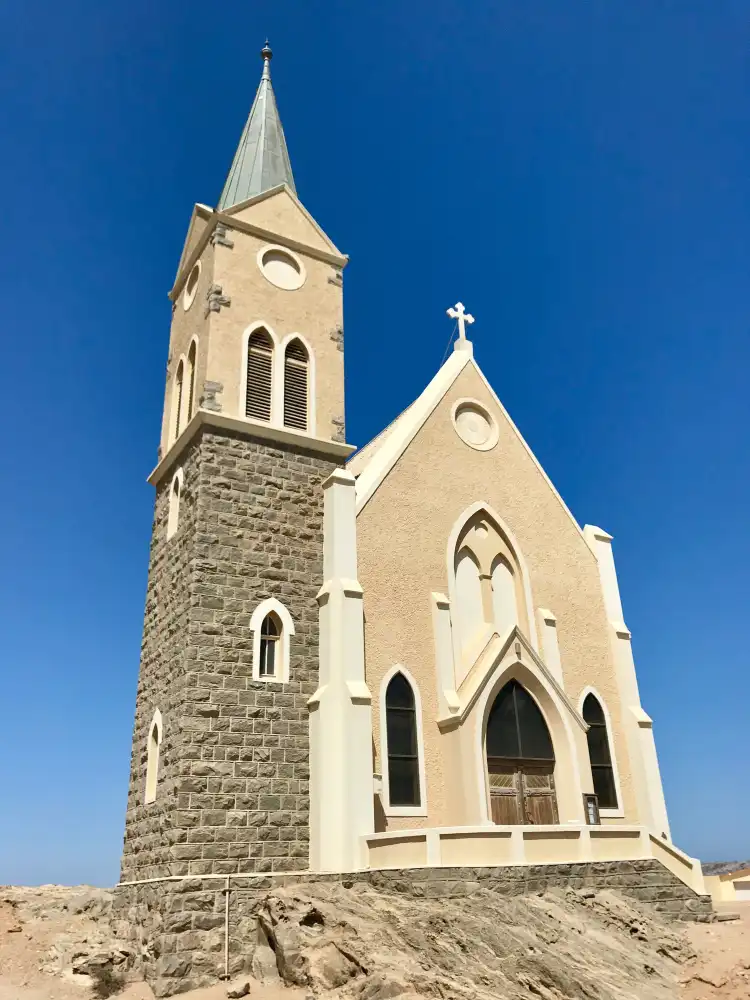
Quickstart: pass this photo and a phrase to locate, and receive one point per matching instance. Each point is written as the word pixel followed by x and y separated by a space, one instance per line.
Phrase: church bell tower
pixel 253 426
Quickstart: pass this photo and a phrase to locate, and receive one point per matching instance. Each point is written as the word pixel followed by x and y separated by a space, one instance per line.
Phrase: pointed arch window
pixel 177 399
pixel 402 743
pixel 152 757
pixel 259 376
pixel 296 378
pixel 191 359
pixel 503 596
pixel 173 514
pixel 600 754
pixel 270 639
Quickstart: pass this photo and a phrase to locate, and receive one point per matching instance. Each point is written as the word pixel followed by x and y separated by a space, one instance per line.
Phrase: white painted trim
pixel 275 377
pixel 420 810
pixel 498 678
pixel 530 453
pixel 407 427
pixel 173 512
pixel 153 752
pixel 189 297
pixel 311 380
pixel 619 812
pixel 271 604
pixel 252 429
pixel 287 252
pixel 450 555
pixel 492 440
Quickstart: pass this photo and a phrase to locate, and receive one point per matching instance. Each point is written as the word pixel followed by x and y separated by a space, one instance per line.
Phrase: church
pixel 404 657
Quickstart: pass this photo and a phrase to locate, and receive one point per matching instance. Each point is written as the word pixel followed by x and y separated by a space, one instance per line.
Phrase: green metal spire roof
pixel 262 159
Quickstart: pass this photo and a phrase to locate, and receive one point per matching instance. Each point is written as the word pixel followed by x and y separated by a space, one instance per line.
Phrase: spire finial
pixel 267 56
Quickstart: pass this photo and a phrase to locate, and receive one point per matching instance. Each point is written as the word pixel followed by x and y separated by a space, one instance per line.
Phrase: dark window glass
pixel 600 755
pixel 401 729
pixel 516 728
pixel 269 641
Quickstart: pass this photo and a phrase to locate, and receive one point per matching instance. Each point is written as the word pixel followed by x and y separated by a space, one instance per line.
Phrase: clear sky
pixel 576 173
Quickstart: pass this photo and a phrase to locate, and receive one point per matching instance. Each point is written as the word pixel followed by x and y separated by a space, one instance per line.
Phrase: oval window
pixel 191 286
pixel 474 425
pixel 281 268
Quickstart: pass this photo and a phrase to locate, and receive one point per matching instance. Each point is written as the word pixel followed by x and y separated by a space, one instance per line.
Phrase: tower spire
pixel 262 159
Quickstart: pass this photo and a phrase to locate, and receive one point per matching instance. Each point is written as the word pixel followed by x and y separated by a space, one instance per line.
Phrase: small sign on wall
pixel 591 808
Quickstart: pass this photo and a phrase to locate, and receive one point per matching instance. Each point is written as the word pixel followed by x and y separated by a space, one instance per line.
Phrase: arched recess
pixel 153 750
pixel 175 494
pixel 399 729
pixel 504 602
pixel 559 719
pixel 274 615
pixel 601 746
pixel 259 373
pixel 491 543
pixel 296 359
pixel 469 611
pixel 178 392
pixel 192 361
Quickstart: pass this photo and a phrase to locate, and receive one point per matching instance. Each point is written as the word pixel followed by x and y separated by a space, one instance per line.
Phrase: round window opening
pixel 474 425
pixel 281 268
pixel 191 286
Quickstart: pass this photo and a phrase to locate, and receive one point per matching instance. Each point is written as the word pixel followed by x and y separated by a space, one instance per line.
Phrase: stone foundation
pixel 178 927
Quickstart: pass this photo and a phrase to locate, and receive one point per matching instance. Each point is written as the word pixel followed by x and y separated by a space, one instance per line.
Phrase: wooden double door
pixel 522 792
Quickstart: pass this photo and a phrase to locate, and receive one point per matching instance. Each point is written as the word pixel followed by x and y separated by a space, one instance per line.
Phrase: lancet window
pixel 296 402
pixel 259 376
pixel 600 755
pixel 402 743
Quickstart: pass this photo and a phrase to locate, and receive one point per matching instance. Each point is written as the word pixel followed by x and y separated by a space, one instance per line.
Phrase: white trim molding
pixel 388 809
pixel 272 606
pixel 619 812
pixel 153 752
pixel 173 511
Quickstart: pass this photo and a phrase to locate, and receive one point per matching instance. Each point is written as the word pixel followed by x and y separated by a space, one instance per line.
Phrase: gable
pixel 280 212
pixel 199 220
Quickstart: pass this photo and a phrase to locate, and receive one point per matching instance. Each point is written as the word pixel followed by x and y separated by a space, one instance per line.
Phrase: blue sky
pixel 576 173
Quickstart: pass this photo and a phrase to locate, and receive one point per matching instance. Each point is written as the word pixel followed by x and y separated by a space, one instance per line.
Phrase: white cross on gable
pixel 458 312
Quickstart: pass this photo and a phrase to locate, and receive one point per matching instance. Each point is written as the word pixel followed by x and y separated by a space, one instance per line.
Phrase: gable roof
pixel 372 463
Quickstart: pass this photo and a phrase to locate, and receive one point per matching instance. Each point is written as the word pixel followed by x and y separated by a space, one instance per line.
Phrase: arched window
pixel 271 628
pixel 503 597
pixel 600 755
pixel 191 358
pixel 177 399
pixel 469 609
pixel 520 760
pixel 173 514
pixel 402 743
pixel 296 365
pixel 259 376
pixel 270 637
pixel 152 756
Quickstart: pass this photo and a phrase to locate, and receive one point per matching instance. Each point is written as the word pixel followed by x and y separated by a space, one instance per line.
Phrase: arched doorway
pixel 520 760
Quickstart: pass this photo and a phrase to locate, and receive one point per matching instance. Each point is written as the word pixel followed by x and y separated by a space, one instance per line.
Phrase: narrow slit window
pixel 152 757
pixel 178 390
pixel 403 752
pixel 191 381
pixel 173 514
pixel 296 366
pixel 270 639
pixel 259 376
pixel 600 755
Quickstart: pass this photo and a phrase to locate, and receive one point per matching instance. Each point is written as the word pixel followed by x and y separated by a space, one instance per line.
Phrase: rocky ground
pixel 56 943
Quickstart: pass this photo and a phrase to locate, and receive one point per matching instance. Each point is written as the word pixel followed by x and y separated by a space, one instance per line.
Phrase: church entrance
pixel 520 760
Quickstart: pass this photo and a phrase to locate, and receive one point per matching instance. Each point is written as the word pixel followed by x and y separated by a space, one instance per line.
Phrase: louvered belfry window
pixel 191 381
pixel 259 369
pixel 295 386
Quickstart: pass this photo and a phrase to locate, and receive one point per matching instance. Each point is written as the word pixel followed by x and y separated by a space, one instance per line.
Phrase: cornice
pixel 250 429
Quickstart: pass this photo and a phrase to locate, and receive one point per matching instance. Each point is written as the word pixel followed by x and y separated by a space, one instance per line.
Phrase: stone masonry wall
pixel 234 791
pixel 179 926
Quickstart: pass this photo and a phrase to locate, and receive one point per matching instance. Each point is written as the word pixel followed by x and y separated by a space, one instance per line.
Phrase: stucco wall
pixel 402 536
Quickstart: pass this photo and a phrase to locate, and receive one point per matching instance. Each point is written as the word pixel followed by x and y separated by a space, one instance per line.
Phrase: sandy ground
pixel 722 969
